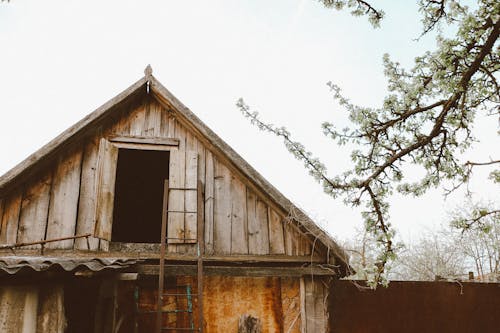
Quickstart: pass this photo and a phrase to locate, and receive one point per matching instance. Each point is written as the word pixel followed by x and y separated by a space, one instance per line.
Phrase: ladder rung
pixel 180 328
pixel 185 239
pixel 182 211
pixel 166 311
pixel 180 294
pixel 183 188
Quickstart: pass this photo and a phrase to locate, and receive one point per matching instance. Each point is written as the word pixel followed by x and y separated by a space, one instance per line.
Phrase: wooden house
pixel 139 199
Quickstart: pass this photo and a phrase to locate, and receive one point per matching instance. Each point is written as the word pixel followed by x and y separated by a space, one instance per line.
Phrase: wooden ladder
pixel 199 242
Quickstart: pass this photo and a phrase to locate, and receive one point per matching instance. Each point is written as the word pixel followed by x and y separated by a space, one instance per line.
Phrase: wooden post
pixel 201 248
pixel 161 276
pixel 249 324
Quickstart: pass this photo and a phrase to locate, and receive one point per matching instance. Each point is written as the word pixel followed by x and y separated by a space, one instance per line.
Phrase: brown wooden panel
pixel 87 203
pixel 34 212
pixel 10 218
pixel 290 303
pixel 152 122
pixel 258 229
pixel 63 206
pixel 239 225
pixel 222 209
pixel 209 203
pixel 190 196
pixel 105 183
pixel 276 237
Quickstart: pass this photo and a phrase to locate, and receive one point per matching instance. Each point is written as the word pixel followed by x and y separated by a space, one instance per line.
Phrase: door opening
pixel 140 175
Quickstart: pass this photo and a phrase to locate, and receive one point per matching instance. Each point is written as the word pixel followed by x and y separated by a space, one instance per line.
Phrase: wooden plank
pixel 251 271
pixel 30 310
pixel 289 250
pixel 310 306
pixel 51 318
pixel 10 218
pixel 176 198
pixel 164 121
pixel 152 123
pixel 63 207
pixel 209 203
pixel 290 304
pixel 222 209
pixel 190 196
pixel 239 225
pixel 136 121
pixel 145 140
pixel 12 308
pixel 105 187
pixel 260 229
pixel 320 305
pixel 303 314
pixel 1 213
pixel 276 239
pixel 87 203
pixel 34 212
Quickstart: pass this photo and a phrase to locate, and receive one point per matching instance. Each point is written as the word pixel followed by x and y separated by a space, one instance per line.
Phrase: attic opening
pixel 137 212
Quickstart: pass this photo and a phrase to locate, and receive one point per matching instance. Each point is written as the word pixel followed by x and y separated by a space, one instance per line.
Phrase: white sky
pixel 60 60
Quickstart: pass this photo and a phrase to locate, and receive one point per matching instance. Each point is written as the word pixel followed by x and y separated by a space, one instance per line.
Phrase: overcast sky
pixel 60 60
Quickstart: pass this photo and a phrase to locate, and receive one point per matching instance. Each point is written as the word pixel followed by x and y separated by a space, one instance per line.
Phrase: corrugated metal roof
pixel 13 264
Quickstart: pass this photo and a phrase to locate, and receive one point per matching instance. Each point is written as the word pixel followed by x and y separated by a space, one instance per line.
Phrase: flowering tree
pixel 426 119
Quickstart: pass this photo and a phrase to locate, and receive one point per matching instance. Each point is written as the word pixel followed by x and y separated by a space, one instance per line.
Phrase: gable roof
pixel 150 85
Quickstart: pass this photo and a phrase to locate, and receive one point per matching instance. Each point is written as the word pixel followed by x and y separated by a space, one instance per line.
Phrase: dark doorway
pixel 140 176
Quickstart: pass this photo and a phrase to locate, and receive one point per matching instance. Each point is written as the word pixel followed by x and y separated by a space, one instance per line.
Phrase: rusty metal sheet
pixel 411 307
pixel 13 264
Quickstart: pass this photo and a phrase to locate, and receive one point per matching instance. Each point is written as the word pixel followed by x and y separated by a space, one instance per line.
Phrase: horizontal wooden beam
pixel 145 140
pixel 190 270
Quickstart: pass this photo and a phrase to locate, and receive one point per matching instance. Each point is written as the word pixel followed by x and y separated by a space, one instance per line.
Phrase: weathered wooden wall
pixel 281 304
pixel 31 309
pixel 60 200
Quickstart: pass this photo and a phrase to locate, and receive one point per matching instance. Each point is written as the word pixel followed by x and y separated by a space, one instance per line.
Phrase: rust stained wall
pixel 227 298
pixel 274 300
pixel 415 307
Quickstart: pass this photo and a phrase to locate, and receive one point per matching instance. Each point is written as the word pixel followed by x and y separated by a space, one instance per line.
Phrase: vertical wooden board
pixel 34 212
pixel 288 239
pixel 227 298
pixel 12 308
pixel 306 246
pixel 165 115
pixel 290 303
pixel 176 198
pixel 136 121
pixel 276 238
pixel 303 314
pixel 201 161
pixel 1 214
pixel 259 229
pixel 239 225
pixel 152 123
pixel 30 310
pixel 190 196
pixel 51 317
pixel 222 209
pixel 87 204
pixel 10 218
pixel 310 308
pixel 105 189
pixel 122 126
pixel 320 305
pixel 209 203
pixel 64 194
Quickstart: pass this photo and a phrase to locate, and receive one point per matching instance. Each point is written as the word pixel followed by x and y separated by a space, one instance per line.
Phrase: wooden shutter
pixel 105 188
pixel 182 200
